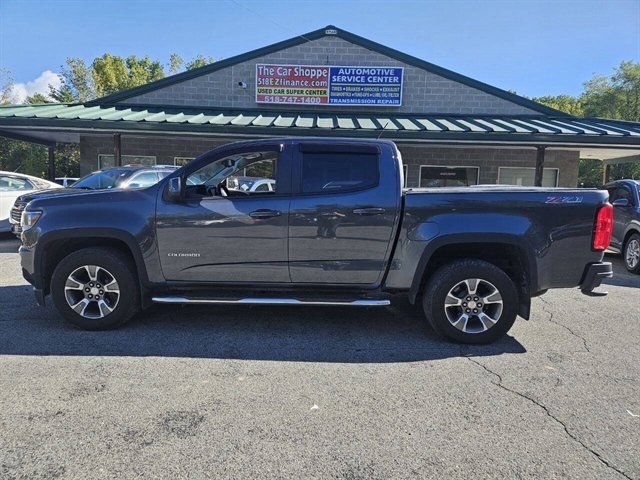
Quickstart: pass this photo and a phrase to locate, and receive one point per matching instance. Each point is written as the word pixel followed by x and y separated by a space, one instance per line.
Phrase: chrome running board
pixel 270 301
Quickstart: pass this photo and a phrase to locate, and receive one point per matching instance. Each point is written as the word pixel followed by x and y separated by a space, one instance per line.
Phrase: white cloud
pixel 20 91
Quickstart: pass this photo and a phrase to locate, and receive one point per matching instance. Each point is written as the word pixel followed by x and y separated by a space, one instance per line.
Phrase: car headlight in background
pixel 29 218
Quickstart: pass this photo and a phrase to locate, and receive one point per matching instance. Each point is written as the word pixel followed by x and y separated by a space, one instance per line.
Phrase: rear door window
pixel 338 172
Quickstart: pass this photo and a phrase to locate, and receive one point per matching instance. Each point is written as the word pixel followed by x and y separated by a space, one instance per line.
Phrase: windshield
pixel 101 180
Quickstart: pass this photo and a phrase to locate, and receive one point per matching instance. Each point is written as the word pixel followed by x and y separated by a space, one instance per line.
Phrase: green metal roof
pixel 429 127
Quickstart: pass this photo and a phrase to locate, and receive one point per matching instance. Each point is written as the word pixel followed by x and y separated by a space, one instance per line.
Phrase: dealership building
pixel 450 129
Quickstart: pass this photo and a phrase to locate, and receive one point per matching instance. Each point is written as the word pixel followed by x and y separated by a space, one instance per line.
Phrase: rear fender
pixel 430 254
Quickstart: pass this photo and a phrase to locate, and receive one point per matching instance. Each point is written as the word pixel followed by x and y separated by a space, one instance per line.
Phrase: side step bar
pixel 270 301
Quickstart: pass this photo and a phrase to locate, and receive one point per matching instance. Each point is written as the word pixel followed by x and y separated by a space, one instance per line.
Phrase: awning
pixel 65 122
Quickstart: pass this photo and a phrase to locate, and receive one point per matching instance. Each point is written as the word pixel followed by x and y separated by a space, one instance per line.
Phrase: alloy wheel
pixel 632 254
pixel 473 306
pixel 92 291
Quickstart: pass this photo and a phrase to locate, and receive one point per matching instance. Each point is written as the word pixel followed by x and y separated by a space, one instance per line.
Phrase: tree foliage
pixel 82 82
pixel 111 73
pixel 565 103
pixel 616 96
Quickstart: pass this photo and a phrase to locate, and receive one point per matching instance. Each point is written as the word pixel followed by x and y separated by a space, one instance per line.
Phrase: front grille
pixel 16 211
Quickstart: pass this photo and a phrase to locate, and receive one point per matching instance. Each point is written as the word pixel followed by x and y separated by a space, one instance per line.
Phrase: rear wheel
pixel 631 253
pixel 95 288
pixel 470 301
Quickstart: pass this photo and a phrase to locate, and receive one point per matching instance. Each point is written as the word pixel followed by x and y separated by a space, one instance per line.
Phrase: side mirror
pixel 621 202
pixel 174 189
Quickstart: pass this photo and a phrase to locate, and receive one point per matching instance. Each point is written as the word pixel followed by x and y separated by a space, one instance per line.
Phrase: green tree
pixel 616 96
pixel 564 103
pixel 6 83
pixel 175 63
pixel 77 83
pixel 37 98
pixel 111 73
pixel 198 61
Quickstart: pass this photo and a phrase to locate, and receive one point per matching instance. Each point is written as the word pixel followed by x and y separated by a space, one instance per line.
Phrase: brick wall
pixel 488 159
pixel 423 91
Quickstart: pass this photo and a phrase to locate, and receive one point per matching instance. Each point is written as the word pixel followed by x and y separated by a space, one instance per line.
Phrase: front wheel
pixel 631 253
pixel 95 288
pixel 470 301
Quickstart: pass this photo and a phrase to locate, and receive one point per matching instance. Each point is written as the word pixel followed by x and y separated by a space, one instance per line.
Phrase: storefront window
pixel 437 176
pixel 526 176
pixel 108 161
pixel 180 161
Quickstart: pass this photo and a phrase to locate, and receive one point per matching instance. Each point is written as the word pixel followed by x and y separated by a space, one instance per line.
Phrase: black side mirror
pixel 621 202
pixel 174 189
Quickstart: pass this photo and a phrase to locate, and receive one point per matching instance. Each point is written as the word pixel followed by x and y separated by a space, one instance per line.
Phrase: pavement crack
pixel 568 329
pixel 501 385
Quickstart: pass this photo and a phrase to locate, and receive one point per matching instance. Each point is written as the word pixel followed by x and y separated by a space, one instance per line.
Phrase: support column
pixel 51 163
pixel 117 149
pixel 606 174
pixel 539 166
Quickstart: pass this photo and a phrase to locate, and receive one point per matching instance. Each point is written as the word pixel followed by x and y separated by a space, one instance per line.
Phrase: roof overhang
pixel 64 123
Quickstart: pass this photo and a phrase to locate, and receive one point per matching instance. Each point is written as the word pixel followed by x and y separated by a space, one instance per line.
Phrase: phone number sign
pixel 328 85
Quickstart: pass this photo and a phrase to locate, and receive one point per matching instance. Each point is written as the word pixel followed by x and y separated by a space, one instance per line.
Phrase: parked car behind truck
pixel 127 176
pixel 12 185
pixel 337 229
pixel 625 197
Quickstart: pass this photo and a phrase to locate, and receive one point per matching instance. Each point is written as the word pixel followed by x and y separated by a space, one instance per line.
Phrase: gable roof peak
pixel 329 30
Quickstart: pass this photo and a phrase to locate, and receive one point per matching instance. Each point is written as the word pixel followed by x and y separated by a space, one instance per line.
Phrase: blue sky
pixel 534 48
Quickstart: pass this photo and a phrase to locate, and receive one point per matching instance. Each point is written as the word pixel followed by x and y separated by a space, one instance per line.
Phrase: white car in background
pixel 66 181
pixel 12 185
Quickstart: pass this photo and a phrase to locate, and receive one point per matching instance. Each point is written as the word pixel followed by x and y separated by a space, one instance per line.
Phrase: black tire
pixel 627 245
pixel 452 274
pixel 114 262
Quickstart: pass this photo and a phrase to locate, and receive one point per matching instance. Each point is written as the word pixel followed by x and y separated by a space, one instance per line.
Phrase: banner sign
pixel 327 85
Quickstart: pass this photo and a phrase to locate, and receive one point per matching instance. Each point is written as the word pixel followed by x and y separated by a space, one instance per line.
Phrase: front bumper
pixel 593 275
pixel 27 262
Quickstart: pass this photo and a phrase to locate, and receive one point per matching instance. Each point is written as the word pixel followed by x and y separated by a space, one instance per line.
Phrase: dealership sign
pixel 327 85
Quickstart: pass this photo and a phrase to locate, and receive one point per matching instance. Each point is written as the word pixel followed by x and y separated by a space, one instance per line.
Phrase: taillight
pixel 603 227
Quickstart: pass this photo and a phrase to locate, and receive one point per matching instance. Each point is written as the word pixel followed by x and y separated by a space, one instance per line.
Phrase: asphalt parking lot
pixel 241 392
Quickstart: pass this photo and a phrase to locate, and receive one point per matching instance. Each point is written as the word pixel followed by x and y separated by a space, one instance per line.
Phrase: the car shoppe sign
pixel 328 85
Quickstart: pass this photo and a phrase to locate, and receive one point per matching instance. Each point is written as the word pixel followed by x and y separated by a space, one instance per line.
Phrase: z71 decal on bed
pixel 564 199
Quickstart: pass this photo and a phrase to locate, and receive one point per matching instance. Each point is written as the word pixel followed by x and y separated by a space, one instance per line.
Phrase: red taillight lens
pixel 603 227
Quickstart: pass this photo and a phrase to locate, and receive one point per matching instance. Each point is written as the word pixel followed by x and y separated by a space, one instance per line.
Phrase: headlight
pixel 29 218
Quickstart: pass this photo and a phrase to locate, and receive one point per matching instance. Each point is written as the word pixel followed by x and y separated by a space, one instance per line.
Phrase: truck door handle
pixel 263 213
pixel 368 211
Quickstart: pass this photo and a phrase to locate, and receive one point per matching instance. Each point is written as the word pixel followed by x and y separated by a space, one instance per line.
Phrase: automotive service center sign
pixel 327 85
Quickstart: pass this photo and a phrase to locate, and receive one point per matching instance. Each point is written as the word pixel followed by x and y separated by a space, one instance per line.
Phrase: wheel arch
pixel 631 229
pixel 507 252
pixel 57 245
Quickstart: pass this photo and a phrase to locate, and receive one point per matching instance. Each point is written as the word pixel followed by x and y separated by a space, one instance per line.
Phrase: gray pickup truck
pixel 335 228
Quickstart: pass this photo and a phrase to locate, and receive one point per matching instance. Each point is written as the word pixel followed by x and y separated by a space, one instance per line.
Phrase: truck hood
pixel 55 192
